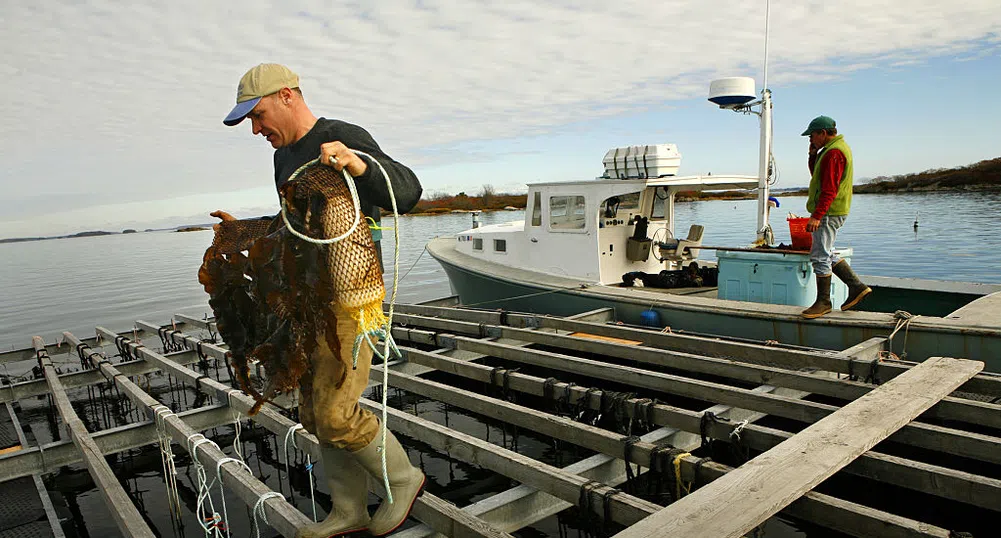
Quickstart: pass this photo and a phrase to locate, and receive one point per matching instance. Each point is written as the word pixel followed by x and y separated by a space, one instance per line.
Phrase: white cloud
pixel 106 101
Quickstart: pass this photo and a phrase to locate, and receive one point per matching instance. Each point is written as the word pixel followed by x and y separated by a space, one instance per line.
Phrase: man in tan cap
pixel 269 96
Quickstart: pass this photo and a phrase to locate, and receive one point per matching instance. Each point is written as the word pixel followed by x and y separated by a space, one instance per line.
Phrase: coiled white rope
pixel 387 333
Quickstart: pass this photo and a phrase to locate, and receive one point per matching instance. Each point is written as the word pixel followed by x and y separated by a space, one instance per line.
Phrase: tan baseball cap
pixel 262 80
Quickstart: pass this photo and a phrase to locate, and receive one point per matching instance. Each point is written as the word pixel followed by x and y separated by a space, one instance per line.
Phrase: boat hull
pixel 493 287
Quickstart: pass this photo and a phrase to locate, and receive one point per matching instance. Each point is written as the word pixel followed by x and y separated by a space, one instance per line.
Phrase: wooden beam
pixel 844 516
pixel 51 456
pixel 960 486
pixel 205 325
pixel 950 408
pixel 624 509
pixel 612 444
pixel 39 387
pixel 436 512
pixel 126 515
pixel 938 438
pixel 282 516
pixel 984 383
pixel 740 501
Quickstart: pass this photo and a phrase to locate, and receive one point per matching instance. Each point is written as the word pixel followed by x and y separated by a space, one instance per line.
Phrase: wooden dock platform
pixel 683 435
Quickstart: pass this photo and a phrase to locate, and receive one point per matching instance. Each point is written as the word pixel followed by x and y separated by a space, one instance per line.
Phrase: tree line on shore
pixel 983 175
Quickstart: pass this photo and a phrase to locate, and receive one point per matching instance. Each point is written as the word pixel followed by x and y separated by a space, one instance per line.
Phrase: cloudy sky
pixel 113 110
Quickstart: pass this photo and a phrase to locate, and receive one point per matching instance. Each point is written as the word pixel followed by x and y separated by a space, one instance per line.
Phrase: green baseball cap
pixel 262 80
pixel 818 123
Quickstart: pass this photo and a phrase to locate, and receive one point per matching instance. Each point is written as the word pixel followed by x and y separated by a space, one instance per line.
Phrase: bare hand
pixel 223 216
pixel 344 158
pixel 812 225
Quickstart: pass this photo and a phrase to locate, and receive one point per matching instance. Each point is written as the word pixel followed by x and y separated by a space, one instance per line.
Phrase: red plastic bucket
pixel 801 239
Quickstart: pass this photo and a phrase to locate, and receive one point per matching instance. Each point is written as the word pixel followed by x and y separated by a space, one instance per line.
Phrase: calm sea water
pixel 76 284
pixel 47 287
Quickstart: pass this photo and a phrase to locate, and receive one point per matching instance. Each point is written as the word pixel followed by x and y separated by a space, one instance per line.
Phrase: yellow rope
pixel 373 226
pixel 677 476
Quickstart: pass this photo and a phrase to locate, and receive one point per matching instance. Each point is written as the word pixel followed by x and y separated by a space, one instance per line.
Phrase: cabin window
pixel 567 213
pixel 500 245
pixel 660 196
pixel 478 243
pixel 537 209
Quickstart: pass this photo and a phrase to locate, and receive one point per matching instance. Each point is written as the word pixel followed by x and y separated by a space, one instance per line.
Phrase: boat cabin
pixel 601 229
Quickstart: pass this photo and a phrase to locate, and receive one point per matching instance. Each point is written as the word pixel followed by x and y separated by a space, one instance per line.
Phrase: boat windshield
pixel 626 203
pixel 660 196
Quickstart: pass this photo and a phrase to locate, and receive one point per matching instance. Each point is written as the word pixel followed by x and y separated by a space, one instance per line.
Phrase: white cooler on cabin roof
pixel 642 162
pixel 774 277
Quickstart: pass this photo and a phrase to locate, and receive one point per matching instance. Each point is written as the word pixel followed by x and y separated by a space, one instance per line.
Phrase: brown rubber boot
pixel 823 303
pixel 348 483
pixel 405 480
pixel 856 289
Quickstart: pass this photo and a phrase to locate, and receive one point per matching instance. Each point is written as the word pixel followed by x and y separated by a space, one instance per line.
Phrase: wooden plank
pixel 126 515
pixel 623 508
pixel 960 486
pixel 282 516
pixel 607 339
pixel 205 325
pixel 51 456
pixel 948 440
pixel 758 371
pixel 613 444
pixel 788 357
pixel 844 516
pixel 740 501
pixel 428 508
pixel 39 387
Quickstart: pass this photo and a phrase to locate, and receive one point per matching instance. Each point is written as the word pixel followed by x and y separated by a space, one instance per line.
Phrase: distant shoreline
pixel 682 198
pixel 984 176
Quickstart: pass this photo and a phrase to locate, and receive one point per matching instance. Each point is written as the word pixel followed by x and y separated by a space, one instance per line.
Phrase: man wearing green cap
pixel 269 95
pixel 830 198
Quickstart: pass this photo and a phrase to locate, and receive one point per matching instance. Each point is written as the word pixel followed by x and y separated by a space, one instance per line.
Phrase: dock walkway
pixel 557 377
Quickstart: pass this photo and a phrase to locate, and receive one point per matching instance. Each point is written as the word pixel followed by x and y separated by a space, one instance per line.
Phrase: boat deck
pixel 668 427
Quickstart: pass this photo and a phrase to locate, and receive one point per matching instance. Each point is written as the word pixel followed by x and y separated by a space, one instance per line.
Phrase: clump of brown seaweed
pixel 273 303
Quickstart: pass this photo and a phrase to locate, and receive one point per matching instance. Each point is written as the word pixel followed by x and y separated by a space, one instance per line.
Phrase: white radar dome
pixel 732 92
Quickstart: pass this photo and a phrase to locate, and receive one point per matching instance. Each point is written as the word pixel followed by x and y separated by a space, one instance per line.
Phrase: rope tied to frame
pixel 614 405
pixel 584 505
pixel 665 465
pixel 309 463
pixel 212 523
pixel 903 321
pixel 584 412
pixel 259 509
pixel 167 458
pixel 708 418
pixel 627 458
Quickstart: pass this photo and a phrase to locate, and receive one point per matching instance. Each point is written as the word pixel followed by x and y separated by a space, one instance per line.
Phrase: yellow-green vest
pixel 843 201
